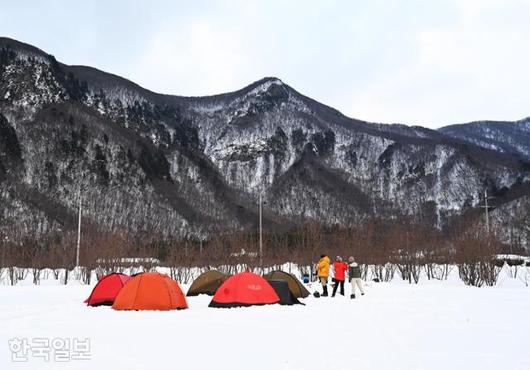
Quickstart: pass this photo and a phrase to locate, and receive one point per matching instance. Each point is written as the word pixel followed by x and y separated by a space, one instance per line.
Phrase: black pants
pixel 336 284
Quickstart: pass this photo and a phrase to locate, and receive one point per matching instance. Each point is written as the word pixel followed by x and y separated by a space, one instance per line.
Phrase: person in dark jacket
pixel 339 271
pixel 354 275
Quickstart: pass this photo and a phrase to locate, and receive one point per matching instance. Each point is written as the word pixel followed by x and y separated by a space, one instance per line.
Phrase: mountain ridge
pixel 9 42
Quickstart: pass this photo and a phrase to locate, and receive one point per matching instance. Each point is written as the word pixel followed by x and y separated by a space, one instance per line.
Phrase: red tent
pixel 244 289
pixel 107 289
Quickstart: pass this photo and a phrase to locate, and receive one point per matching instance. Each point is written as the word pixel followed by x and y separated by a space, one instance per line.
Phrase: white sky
pixel 415 62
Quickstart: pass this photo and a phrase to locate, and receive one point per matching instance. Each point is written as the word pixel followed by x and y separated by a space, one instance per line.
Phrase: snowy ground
pixel 433 325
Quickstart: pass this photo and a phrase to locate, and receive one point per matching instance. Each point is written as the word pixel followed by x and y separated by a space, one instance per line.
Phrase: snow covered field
pixel 433 325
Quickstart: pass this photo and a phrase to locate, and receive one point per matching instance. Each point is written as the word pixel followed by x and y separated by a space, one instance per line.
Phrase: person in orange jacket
pixel 323 273
pixel 339 271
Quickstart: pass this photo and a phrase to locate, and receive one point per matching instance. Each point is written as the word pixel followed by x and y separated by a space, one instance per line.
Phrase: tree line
pixel 385 250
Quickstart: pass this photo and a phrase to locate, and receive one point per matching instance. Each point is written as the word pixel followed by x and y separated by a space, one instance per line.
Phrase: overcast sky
pixel 416 62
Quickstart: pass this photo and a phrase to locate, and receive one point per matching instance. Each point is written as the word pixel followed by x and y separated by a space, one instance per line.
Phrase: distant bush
pixel 514 262
pixel 499 263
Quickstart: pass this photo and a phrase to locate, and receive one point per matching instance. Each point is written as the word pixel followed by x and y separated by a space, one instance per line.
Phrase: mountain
pixel 505 137
pixel 189 166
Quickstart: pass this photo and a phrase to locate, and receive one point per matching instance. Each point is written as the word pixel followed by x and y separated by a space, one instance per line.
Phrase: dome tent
pixel 150 291
pixel 106 289
pixel 244 289
pixel 295 286
pixel 207 283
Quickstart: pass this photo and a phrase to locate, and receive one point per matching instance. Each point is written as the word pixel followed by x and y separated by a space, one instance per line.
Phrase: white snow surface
pixel 432 325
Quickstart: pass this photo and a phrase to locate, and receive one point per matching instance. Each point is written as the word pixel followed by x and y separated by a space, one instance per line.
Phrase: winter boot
pixel 325 291
pixel 352 296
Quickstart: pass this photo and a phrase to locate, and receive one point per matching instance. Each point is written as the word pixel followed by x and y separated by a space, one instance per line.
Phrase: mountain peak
pixel 263 84
pixel 21 47
pixel 270 80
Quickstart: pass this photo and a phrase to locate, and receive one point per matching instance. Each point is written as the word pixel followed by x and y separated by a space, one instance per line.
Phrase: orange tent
pixel 150 291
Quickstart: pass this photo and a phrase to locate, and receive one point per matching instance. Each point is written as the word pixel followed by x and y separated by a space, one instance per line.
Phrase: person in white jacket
pixel 354 274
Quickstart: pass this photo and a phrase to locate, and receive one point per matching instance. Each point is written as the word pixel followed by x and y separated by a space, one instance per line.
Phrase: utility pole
pixel 260 233
pixel 487 207
pixel 487 211
pixel 78 232
pixel 5 239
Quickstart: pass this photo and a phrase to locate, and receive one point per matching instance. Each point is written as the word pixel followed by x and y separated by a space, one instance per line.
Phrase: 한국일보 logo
pixel 49 349
pixel 254 287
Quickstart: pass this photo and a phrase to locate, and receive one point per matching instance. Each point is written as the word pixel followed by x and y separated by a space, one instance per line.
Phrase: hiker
pixel 339 271
pixel 323 273
pixel 354 274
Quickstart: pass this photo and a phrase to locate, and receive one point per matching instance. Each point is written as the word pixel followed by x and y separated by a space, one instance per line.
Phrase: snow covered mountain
pixel 505 137
pixel 186 166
